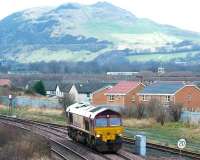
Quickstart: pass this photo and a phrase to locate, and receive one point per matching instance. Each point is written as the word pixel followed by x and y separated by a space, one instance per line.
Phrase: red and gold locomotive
pixel 98 127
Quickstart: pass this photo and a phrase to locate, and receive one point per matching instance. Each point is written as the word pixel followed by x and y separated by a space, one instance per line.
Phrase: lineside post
pixel 140 145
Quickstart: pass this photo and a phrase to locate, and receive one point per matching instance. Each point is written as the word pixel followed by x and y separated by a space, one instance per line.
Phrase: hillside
pixel 74 32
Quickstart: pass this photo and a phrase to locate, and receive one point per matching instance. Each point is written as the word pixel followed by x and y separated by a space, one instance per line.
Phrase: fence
pixel 23 101
pixel 190 117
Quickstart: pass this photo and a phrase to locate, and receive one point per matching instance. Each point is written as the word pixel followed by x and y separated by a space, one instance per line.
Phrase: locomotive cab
pixel 108 131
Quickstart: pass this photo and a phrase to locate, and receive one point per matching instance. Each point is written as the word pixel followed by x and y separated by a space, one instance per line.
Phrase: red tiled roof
pixel 5 82
pixel 123 87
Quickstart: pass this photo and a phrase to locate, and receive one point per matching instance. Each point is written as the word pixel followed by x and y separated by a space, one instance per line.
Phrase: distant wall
pixel 191 117
pixel 22 101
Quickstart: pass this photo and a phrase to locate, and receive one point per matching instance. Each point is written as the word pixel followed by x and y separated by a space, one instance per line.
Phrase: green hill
pixel 74 32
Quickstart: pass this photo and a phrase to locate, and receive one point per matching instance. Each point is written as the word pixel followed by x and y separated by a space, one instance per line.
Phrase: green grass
pixel 160 57
pixel 168 134
pixel 47 55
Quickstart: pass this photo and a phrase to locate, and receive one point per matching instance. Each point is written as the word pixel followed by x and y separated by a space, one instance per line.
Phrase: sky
pixel 181 13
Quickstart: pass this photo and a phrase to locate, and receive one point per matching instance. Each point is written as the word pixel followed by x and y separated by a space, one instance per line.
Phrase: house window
pixel 144 98
pixel 189 97
pixel 167 98
pixel 133 99
pixel 111 98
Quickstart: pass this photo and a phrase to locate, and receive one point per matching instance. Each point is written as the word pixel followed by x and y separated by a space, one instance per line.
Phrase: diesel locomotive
pixel 98 127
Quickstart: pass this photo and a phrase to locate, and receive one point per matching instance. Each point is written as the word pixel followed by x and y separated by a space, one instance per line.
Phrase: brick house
pixel 5 82
pixel 171 92
pixel 99 97
pixel 123 94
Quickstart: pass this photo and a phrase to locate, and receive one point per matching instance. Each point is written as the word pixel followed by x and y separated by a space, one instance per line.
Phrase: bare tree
pixel 67 100
pixel 161 115
pixel 176 110
pixel 140 110
pixel 152 108
pixel 129 112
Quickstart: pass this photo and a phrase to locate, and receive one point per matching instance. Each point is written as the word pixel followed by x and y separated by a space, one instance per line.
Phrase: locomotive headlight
pixel 98 135
pixel 120 134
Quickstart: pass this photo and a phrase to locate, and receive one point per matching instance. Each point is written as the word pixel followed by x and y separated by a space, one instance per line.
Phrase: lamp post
pixel 10 103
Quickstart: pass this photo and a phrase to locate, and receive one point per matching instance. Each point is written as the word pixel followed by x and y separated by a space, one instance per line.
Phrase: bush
pixel 29 92
pixel 38 87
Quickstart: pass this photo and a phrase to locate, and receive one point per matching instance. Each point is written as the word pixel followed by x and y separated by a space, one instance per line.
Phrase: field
pixel 47 56
pixel 165 135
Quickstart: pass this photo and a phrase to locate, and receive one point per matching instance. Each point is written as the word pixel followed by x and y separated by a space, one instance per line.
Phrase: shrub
pixel 29 92
pixel 38 87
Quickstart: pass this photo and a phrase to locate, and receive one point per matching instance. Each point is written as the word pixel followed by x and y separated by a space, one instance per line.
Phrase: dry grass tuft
pixel 142 123
pixel 45 110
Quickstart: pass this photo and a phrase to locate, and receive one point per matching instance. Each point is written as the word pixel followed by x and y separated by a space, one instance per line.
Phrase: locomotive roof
pixel 86 110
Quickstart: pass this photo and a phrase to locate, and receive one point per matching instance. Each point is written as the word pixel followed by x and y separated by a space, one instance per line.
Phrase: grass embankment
pixel 38 114
pixel 166 135
pixel 16 144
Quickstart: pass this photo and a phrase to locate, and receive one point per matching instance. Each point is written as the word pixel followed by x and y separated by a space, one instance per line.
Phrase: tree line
pixel 96 67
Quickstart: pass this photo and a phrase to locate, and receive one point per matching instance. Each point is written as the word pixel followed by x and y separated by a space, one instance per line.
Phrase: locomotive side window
pixel 86 125
pixel 70 118
pixel 101 122
pixel 66 114
pixel 115 121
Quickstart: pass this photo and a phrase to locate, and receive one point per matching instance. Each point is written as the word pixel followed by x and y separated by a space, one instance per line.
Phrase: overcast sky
pixel 181 13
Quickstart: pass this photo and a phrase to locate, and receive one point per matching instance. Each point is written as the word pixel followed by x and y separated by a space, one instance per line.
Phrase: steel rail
pixel 185 153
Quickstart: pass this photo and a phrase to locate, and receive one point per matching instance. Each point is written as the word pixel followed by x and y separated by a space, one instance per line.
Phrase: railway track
pixel 156 147
pixel 184 153
pixel 60 130
pixel 61 145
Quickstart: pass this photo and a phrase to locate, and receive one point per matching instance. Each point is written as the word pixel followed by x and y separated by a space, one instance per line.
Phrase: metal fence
pixel 23 101
pixel 190 117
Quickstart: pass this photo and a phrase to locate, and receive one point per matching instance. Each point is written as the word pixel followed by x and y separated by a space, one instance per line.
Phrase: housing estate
pixel 171 92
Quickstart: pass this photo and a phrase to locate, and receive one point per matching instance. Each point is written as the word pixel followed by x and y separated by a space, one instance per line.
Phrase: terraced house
pixel 172 92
